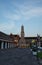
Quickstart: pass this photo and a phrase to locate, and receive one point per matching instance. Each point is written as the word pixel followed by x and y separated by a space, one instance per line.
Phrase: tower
pixel 22 40
pixel 22 33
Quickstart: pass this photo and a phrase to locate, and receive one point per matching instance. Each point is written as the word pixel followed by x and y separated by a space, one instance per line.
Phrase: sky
pixel 15 13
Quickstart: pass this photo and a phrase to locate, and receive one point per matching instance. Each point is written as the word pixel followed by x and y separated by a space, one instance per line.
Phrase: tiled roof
pixel 4 37
pixel 31 37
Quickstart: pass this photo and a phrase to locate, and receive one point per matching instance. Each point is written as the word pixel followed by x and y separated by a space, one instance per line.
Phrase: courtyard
pixel 17 56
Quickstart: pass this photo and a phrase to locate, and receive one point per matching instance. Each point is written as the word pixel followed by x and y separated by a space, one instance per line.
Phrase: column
pixel 6 45
pixel 10 45
pixel 13 45
pixel 2 45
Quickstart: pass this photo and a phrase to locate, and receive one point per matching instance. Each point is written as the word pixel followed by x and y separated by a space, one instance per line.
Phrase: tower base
pixel 22 43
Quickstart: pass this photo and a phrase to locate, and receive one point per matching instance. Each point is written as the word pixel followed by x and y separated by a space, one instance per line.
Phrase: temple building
pixel 14 40
pixel 8 41
pixel 28 41
pixel 5 41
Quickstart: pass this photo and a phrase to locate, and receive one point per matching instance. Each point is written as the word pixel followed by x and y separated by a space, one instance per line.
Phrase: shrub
pixel 40 55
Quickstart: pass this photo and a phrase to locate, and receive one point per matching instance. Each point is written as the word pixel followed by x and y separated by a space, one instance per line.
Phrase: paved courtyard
pixel 17 56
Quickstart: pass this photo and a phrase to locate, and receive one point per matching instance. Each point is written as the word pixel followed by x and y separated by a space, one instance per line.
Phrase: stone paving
pixel 17 56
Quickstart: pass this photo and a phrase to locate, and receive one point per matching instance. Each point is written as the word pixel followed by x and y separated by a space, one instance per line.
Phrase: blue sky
pixel 14 13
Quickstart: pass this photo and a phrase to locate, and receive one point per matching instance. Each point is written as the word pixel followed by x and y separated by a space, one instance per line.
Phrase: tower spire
pixel 22 31
pixel 22 40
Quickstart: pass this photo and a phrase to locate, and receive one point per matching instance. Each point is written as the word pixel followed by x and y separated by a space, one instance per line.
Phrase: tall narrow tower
pixel 22 32
pixel 22 40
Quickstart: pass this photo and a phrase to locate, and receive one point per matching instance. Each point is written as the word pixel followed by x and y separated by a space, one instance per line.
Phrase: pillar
pixel 10 45
pixel 6 45
pixel 13 45
pixel 2 44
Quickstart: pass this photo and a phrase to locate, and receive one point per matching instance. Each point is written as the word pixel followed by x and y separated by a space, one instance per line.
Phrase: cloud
pixel 12 16
pixel 7 26
pixel 34 12
pixel 26 10
pixel 24 13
